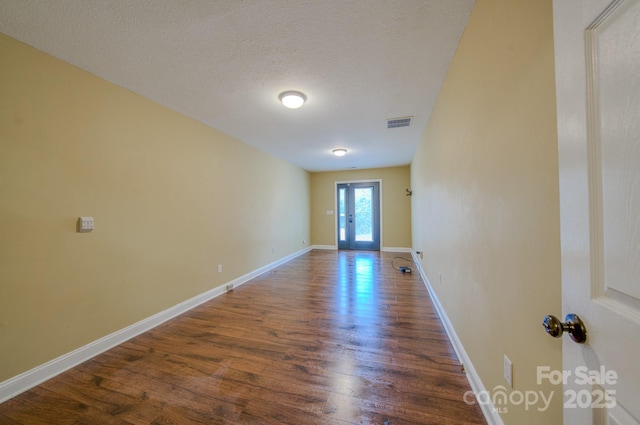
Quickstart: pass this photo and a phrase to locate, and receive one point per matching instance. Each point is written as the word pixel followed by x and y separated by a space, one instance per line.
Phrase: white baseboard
pixel 329 247
pixel 29 379
pixel 383 249
pixel 394 249
pixel 488 410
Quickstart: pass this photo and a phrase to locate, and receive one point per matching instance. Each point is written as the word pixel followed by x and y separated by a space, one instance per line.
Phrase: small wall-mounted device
pixel 84 224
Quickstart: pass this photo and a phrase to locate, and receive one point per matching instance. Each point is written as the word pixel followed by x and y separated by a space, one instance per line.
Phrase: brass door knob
pixel 573 325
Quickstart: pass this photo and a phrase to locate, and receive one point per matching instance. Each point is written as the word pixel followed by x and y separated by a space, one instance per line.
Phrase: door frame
pixel 335 205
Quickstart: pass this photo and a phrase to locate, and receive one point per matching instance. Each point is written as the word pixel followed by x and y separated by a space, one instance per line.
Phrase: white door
pixel 597 53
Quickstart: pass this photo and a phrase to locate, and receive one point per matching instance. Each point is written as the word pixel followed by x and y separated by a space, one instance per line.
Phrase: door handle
pixel 573 325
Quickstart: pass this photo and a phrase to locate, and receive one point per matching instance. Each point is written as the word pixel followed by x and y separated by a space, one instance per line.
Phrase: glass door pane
pixel 342 214
pixel 363 214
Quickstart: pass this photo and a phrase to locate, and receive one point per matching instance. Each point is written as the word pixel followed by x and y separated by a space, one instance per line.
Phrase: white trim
pixel 29 379
pixel 383 249
pixel 488 410
pixel 394 249
pixel 330 247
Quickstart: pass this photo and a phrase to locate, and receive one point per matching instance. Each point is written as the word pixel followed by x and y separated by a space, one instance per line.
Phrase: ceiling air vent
pixel 399 122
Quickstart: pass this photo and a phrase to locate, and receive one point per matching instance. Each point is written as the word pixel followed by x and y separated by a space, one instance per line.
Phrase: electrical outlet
pixel 84 224
pixel 219 268
pixel 508 371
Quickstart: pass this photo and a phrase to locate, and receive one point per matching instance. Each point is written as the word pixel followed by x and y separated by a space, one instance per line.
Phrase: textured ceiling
pixel 225 62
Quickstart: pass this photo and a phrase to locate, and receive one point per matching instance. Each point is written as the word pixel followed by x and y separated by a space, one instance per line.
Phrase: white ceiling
pixel 224 63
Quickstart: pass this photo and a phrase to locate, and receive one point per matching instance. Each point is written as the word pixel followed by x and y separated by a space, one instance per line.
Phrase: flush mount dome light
pixel 292 99
pixel 339 152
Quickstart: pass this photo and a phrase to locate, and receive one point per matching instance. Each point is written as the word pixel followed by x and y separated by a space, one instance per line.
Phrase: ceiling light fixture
pixel 292 99
pixel 339 152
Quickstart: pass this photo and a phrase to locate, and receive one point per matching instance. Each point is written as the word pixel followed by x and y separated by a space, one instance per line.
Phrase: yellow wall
pixel 171 199
pixel 485 205
pixel 396 206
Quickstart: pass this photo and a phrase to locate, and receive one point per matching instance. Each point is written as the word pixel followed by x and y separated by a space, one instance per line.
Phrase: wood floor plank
pixel 355 410
pixel 5 420
pixel 41 406
pixel 331 338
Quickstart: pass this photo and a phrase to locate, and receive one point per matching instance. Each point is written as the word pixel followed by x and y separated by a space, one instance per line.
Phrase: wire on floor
pixel 397 259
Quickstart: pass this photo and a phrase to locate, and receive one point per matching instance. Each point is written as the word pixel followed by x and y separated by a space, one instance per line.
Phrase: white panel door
pixel 597 53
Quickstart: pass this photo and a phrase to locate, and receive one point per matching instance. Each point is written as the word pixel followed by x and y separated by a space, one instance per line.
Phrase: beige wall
pixel 396 206
pixel 485 205
pixel 171 198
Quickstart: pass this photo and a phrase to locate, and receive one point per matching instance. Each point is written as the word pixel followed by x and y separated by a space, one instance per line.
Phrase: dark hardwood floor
pixel 332 337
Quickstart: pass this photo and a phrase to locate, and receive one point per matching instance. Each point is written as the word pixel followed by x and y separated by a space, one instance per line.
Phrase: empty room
pixel 319 212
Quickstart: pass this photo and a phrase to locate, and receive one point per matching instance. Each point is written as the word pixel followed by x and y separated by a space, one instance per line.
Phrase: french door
pixel 359 215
